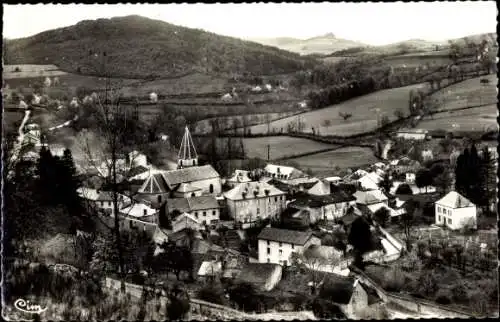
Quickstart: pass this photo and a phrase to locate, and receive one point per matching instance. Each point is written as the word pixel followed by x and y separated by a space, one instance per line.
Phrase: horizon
pixel 344 20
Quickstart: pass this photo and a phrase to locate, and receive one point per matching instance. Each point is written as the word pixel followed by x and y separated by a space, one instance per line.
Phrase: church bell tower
pixel 187 156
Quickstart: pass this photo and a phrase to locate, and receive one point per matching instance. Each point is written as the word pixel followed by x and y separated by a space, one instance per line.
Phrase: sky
pixel 370 23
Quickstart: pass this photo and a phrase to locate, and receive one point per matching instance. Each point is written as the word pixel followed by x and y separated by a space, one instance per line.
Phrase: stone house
pixel 456 212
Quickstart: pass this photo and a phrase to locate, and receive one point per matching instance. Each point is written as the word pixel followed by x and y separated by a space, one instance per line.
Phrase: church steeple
pixel 187 153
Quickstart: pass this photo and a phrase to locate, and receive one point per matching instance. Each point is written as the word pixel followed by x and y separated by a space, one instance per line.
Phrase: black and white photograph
pixel 251 161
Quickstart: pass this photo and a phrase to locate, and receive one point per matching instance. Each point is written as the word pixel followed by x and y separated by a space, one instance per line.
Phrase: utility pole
pixel 268 151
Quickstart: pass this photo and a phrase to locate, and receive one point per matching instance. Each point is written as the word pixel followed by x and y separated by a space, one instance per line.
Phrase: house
pixel 320 188
pixel 154 189
pixel 405 165
pixel 252 201
pixel 256 89
pixel 296 219
pixel 268 87
pixel 204 177
pixel 239 176
pixel 372 199
pixel 140 217
pixel 226 97
pixel 264 276
pixel 348 293
pixel 209 270
pixel 276 245
pixel 415 190
pixel 370 181
pixel 410 177
pixel 334 180
pixel 326 207
pixel 205 209
pixel 153 97
pixel 456 212
pixel 285 174
pixel 184 221
pixel 412 134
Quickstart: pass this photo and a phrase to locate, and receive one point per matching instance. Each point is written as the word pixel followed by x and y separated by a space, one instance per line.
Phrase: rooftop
pixel 454 200
pixel 193 203
pixel 254 189
pixel 175 177
pixel 285 235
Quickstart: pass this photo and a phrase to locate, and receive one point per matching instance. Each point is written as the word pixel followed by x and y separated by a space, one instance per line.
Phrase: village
pixel 261 227
pixel 168 172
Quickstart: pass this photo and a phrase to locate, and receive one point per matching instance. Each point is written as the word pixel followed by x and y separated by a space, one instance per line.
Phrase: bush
pixel 459 293
pixel 444 296
pixel 394 280
pixel 212 293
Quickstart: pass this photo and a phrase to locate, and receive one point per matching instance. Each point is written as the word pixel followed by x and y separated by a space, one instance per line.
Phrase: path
pixel 19 143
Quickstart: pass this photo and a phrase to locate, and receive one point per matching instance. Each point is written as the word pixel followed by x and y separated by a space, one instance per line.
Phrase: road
pixel 19 143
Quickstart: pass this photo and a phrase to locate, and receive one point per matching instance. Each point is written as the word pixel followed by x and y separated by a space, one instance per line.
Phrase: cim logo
pixel 28 307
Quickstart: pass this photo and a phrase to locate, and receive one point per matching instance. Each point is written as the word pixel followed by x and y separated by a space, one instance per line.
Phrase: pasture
pixel 30 71
pixel 324 163
pixel 279 146
pixel 479 120
pixel 363 109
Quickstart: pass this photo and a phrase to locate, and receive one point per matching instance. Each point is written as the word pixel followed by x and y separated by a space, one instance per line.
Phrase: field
pixel 281 146
pixel 464 94
pixel 324 163
pixel 27 71
pixel 363 110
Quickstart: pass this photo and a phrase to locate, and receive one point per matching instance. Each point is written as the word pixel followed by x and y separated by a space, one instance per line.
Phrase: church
pixel 188 180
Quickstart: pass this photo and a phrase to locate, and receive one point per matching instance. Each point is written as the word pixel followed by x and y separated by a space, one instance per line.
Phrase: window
pixel 449 221
pixel 204 222
pixel 278 170
pixel 268 250
pixel 281 244
pixel 211 188
pixel 275 199
pixel 281 252
pixel 145 212
pixel 293 246
pixel 258 211
pixel 268 260
pixel 214 213
pixel 268 243
pixel 193 195
pixel 130 224
pixel 439 218
pixel 159 199
pixel 196 214
pixel 204 214
pixel 109 203
pixel 438 209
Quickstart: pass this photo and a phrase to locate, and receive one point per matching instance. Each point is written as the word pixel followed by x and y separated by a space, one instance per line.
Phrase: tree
pixel 487 178
pixel 386 183
pixel 361 239
pixel 455 52
pixel 404 189
pixel 423 178
pixel 443 181
pixel 382 216
pixel 212 293
pixel 407 222
pixel 244 295
pixel 345 116
pixel 178 306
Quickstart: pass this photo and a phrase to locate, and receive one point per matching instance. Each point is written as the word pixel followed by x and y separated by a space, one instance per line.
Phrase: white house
pixel 256 89
pixel 268 87
pixel 284 174
pixel 455 211
pixel 153 97
pixel 226 97
pixel 372 199
pixel 205 209
pixel 276 245
pixel 412 134
pixel 326 207
pixel 410 177
pixel 251 201
pixel 184 221
pixel 239 176
pixel 370 181
pixel 139 216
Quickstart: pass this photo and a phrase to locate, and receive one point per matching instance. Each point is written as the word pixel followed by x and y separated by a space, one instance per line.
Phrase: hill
pixel 324 44
pixel 139 47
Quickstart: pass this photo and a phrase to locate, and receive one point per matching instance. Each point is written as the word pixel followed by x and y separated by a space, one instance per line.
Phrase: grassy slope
pixel 138 47
pixel 363 116
pixel 463 94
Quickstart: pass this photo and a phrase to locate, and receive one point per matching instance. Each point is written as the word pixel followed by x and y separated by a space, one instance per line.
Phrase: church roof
pixel 186 187
pixel 185 175
pixel 155 183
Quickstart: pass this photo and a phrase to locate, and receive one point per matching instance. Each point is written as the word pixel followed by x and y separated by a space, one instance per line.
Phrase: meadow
pixel 27 71
pixel 363 109
pixel 325 162
pixel 481 117
pixel 281 146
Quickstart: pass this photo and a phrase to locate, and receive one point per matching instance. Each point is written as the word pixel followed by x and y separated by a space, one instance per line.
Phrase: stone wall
pixel 417 305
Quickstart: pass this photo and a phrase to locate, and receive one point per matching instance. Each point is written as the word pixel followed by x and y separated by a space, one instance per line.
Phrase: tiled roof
pixel 210 268
pixel 175 177
pixel 370 197
pixel 454 200
pixel 155 183
pixel 285 235
pixel 192 203
pixel 105 196
pixel 88 193
pixel 320 188
pixel 257 273
pixel 249 188
pixel 313 201
pixel 137 210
